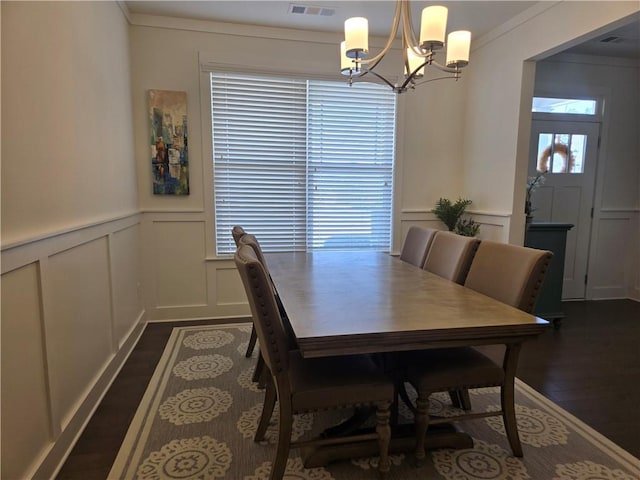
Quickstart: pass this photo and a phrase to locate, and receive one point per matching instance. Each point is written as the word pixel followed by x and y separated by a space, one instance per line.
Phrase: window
pixel 561 152
pixel 303 164
pixel 574 106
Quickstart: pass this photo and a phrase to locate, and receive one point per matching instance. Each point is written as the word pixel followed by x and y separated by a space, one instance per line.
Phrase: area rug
pixel 200 410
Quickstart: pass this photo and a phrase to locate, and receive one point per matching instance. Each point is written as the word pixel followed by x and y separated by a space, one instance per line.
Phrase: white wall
pixel 70 223
pixel 613 266
pixel 183 278
pixel 67 135
pixel 497 120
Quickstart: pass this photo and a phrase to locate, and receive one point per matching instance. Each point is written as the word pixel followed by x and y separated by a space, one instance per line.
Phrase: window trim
pixel 570 117
pixel 392 149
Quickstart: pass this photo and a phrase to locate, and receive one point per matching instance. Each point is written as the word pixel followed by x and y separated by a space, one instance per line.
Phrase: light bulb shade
pixel 414 62
pixel 433 27
pixel 458 46
pixel 346 64
pixel 356 35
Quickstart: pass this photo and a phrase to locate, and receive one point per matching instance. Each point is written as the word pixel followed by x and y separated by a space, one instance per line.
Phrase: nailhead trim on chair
pixel 539 282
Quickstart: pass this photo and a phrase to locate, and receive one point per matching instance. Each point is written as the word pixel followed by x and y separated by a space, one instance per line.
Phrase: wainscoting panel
pixel 70 315
pixel 229 289
pixel 611 275
pixel 26 420
pixel 79 336
pixel 179 263
pixel 493 226
pixel 124 255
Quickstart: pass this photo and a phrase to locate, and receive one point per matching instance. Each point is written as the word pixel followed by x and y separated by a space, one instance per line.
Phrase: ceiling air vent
pixel 311 10
pixel 612 39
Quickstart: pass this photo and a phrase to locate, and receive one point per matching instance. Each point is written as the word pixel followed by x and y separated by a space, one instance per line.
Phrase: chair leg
pixel 404 396
pixel 284 441
pixel 422 424
pixel 460 398
pixel 465 400
pixel 507 398
pixel 454 395
pixel 270 397
pixel 383 429
pixel 263 375
pixel 259 369
pixel 252 342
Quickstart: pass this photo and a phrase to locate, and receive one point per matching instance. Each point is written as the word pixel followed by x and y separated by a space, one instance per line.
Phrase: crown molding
pixel 238 29
pixel 513 23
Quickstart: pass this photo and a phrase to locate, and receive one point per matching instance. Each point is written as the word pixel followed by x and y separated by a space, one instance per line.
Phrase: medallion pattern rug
pixel 201 409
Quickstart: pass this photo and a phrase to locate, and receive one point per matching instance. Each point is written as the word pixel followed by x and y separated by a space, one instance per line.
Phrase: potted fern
pixel 450 214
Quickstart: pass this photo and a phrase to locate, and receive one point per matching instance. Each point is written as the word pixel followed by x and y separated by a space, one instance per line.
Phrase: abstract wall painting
pixel 169 152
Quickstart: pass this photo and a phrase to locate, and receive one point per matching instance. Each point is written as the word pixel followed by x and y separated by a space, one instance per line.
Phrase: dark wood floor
pixel 590 366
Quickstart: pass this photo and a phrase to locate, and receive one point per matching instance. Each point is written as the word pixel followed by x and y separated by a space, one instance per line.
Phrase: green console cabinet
pixel 550 236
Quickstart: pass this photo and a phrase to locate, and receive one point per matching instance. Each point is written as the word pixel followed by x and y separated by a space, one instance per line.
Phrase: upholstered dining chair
pixel 450 255
pixel 238 232
pixel 259 372
pixel 510 274
pixel 416 245
pixel 309 385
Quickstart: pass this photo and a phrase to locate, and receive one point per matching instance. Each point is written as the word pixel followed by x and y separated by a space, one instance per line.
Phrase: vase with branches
pixel 533 183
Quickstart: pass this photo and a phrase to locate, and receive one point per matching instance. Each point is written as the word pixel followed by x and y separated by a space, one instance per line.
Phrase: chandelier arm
pixel 448 77
pixel 412 76
pixel 408 34
pixel 381 78
pixel 405 56
pixel 444 68
pixel 394 30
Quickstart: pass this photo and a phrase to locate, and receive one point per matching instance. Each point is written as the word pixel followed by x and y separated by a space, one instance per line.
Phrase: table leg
pixel 402 441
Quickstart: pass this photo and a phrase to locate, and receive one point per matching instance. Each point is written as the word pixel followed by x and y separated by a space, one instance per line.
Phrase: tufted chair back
pixel 509 273
pixel 237 232
pixel 264 310
pixel 252 241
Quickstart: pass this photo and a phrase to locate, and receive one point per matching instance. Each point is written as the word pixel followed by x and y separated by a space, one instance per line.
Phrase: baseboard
pixel 54 459
pixel 223 319
pixel 609 293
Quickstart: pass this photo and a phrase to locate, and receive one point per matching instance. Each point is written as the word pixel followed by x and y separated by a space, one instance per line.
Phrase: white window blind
pixel 302 164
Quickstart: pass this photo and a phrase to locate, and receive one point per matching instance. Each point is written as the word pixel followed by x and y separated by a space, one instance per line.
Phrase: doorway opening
pixel 565 138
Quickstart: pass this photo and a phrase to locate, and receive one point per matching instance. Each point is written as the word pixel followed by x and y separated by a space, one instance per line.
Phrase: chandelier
pixel 354 50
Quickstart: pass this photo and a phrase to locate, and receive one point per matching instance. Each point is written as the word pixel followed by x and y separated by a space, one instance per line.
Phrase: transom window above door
pixel 571 106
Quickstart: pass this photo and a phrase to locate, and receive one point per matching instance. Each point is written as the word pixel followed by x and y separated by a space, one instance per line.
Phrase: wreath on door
pixel 564 152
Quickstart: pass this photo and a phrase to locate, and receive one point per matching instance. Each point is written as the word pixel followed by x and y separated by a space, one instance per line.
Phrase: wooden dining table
pixel 340 303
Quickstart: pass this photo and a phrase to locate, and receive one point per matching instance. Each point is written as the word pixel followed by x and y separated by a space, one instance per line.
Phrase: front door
pixel 567 151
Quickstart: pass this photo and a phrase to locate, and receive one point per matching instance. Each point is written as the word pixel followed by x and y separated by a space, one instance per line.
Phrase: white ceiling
pixel 478 16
